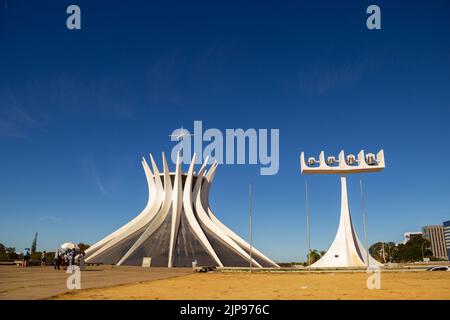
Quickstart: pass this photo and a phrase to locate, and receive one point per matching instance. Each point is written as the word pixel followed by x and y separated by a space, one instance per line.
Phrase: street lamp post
pixel 308 231
pixel 389 250
pixel 423 256
pixel 363 209
pixel 250 222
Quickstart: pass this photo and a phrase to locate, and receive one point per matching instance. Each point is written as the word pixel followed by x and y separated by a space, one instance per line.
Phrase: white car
pixel 439 268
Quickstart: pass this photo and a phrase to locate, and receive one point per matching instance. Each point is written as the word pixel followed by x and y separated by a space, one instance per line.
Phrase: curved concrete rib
pixel 150 202
pixel 176 198
pixel 177 206
pixel 162 214
pixel 150 210
pixel 206 220
pixel 205 203
pixel 145 218
pixel 187 203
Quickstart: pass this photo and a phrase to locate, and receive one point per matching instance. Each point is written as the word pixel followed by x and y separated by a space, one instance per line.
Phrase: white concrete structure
pixel 177 226
pixel 69 246
pixel 346 249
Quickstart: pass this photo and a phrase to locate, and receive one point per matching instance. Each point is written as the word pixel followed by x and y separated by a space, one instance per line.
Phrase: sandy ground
pixel 394 285
pixel 42 283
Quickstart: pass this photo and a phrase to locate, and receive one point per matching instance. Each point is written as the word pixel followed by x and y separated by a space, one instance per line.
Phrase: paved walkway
pixel 42 283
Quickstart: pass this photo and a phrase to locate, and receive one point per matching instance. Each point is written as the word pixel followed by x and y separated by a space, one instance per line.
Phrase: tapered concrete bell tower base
pixel 346 249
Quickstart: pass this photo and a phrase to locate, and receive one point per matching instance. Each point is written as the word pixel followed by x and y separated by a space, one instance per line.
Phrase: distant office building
pixel 408 236
pixel 446 225
pixel 436 236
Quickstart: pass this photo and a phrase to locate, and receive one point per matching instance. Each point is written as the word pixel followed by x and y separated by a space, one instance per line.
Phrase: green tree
pixel 413 249
pixel 2 252
pixel 11 253
pixel 409 252
pixel 7 253
pixel 384 251
pixel 375 251
pixel 83 246
pixel 313 256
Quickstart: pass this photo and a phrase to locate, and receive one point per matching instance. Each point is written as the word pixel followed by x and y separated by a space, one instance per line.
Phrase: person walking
pixel 26 257
pixel 65 260
pixel 81 261
pixel 57 260
pixel 43 259
pixel 72 255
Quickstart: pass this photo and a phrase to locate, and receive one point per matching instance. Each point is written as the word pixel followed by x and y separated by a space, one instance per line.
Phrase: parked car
pixel 439 268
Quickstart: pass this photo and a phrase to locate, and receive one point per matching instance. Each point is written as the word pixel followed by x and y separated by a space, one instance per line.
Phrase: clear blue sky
pixel 78 110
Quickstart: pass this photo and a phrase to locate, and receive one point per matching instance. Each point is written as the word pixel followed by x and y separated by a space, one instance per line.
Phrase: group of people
pixel 27 256
pixel 62 258
pixel 68 258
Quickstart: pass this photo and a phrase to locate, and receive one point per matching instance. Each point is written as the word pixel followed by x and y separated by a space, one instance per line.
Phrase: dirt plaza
pixel 109 282
pixel 42 283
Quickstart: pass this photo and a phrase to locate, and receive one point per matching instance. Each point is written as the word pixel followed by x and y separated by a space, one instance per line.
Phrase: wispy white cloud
pixel 100 186
pixel 176 77
pixel 10 130
pixel 15 120
pixel 96 179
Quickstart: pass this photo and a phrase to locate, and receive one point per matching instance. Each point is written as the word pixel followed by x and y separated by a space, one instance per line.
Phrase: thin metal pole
pixel 308 235
pixel 363 208
pixel 250 222
pixel 389 251
pixel 423 257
